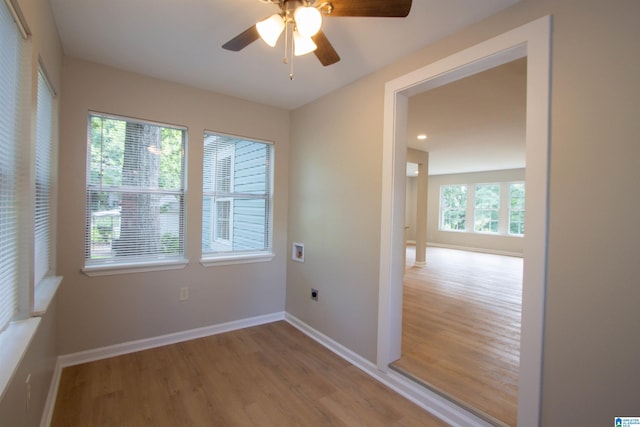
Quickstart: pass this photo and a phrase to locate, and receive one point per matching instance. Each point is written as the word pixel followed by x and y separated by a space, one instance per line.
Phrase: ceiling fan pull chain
pixel 292 55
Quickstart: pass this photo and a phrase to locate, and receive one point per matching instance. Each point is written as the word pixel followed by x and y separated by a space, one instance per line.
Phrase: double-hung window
pixel 135 193
pixel 453 207
pixel 236 198
pixel 487 208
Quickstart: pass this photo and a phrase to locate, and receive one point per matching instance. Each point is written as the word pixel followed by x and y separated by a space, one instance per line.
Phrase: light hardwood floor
pixel 461 328
pixel 269 375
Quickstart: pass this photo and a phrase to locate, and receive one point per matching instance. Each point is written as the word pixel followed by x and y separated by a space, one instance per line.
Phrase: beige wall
pixel 591 348
pixel 101 311
pixel 492 243
pixel 39 359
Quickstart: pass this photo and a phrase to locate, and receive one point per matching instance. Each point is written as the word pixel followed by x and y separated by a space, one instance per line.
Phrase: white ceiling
pixel 474 124
pixel 180 41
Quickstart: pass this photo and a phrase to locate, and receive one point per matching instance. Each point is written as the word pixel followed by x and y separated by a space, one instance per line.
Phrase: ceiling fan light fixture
pixel 302 45
pixel 308 20
pixel 270 29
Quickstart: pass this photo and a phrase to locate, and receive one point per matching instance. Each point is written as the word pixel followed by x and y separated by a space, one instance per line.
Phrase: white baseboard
pixel 471 249
pixel 132 346
pixel 430 401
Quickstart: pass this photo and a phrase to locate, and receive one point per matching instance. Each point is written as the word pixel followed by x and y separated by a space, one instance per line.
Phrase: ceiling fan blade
pixel 242 40
pixel 374 8
pixel 325 51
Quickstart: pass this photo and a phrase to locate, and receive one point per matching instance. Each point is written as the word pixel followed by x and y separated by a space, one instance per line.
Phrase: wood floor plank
pixel 269 375
pixel 461 327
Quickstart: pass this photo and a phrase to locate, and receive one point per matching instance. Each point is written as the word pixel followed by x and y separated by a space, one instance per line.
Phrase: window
pixel 9 137
pixel 497 208
pixel 236 196
pixel 135 192
pixel 487 208
pixel 516 208
pixel 453 207
pixel 44 133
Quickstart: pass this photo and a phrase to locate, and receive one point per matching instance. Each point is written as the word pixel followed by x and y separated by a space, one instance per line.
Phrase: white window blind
pixel 135 191
pixel 44 134
pixel 13 93
pixel 237 196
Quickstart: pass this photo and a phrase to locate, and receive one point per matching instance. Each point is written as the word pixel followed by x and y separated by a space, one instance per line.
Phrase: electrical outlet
pixel 184 293
pixel 314 294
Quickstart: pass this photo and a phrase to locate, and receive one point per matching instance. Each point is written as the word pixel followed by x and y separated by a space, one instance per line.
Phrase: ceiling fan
pixel 305 19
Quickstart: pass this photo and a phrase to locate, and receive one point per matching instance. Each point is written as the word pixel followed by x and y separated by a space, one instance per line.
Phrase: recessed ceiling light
pixel 422 136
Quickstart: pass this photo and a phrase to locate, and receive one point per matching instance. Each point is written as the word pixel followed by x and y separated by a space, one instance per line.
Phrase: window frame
pixel 213 258
pixel 141 263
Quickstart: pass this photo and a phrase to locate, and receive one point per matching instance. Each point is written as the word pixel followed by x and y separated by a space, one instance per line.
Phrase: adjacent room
pixel 202 211
pixel 463 295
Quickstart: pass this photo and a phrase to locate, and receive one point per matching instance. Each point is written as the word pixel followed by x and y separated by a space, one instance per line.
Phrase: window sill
pixel 14 342
pixel 111 269
pixel 44 293
pixel 236 259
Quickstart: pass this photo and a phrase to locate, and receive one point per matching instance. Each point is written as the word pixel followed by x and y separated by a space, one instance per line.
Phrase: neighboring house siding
pixel 249 214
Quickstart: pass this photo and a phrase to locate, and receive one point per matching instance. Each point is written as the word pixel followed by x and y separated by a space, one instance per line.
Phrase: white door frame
pixel 532 40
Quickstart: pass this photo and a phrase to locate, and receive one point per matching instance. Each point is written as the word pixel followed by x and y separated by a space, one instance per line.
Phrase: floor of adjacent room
pixel 461 328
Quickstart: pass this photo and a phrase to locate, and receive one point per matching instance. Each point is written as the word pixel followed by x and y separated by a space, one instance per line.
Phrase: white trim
pixel 472 249
pixel 14 342
pixel 44 293
pixel 534 41
pixel 162 340
pixel 72 359
pixel 426 399
pixel 236 259
pixel 110 269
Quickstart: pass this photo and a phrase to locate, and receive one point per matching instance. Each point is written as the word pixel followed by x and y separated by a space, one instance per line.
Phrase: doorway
pixel 462 307
pixel 533 41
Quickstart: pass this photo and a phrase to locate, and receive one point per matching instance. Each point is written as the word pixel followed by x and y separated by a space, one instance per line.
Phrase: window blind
pixel 13 92
pixel 237 195
pixel 135 191
pixel 44 133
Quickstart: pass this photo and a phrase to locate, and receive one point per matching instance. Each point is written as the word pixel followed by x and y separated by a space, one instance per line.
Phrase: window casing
pixel 135 192
pixel 236 197
pixel 453 207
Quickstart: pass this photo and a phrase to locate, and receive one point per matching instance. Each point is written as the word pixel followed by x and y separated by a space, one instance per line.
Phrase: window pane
pixel 453 207
pixel 516 208
pixel 487 208
pixel 236 205
pixel 135 195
